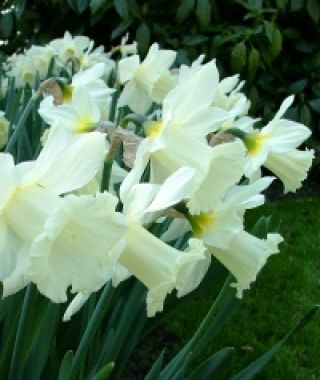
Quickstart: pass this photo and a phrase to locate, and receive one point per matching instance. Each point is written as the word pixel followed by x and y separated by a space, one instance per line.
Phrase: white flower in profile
pixel 73 249
pixel 219 223
pixel 31 190
pixel 22 68
pixel 127 49
pixel 4 130
pixel 26 67
pixel 69 47
pixel 229 97
pixel 245 257
pixel 274 146
pixel 93 56
pixel 147 81
pixel 160 267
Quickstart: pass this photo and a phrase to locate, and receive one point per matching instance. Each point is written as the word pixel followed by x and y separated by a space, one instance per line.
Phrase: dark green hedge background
pixel 273 44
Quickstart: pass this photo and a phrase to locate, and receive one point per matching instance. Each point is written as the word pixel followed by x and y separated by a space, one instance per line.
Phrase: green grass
pixel 287 287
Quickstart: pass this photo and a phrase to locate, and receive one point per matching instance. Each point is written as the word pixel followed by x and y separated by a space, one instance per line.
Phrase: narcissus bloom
pixel 274 146
pixel 147 81
pixel 31 191
pixel 160 267
pixel 245 257
pixel 173 141
pixel 70 47
pixel 79 116
pixel 73 248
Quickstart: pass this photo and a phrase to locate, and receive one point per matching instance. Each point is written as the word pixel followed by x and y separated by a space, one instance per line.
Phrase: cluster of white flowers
pixel 67 53
pixel 190 169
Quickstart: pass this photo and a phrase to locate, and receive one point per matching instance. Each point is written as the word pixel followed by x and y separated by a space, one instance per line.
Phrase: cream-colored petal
pixel 9 178
pixel 192 266
pixel 75 305
pixel 284 106
pixel 73 249
pixel 18 278
pixel 285 135
pixel 246 256
pixel 84 77
pixel 193 94
pixel 224 169
pixel 74 165
pixel 160 267
pixel 175 188
pixel 135 97
pixel 292 167
pixel 134 176
pixel 127 66
pixel 32 203
pixel 241 197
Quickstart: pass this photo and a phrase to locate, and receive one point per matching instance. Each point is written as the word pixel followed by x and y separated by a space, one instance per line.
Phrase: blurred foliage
pixel 273 44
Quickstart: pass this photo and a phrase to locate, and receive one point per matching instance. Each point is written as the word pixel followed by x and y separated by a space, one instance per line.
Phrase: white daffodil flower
pixel 174 141
pixel 246 256
pixel 127 49
pixel 160 267
pixel 95 86
pixel 147 81
pixel 70 47
pixel 221 230
pixel 229 97
pixel 278 139
pixel 73 248
pixel 30 191
pixel 91 87
pixel 92 56
pixel 79 116
pixel 27 66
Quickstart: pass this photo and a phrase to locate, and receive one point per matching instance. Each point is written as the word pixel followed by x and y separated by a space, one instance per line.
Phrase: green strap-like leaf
pixel 104 372
pixel 219 313
pixel 65 367
pixel 154 373
pixel 215 367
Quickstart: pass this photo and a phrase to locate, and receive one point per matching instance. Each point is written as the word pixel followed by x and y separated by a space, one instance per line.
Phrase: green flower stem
pixel 134 118
pixel 116 141
pixel 22 121
pixel 90 331
pixel 237 133
pixel 17 362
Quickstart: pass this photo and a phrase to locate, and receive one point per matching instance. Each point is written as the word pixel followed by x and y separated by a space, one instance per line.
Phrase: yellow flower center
pixel 255 142
pixel 153 128
pixel 201 222
pixel 84 124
